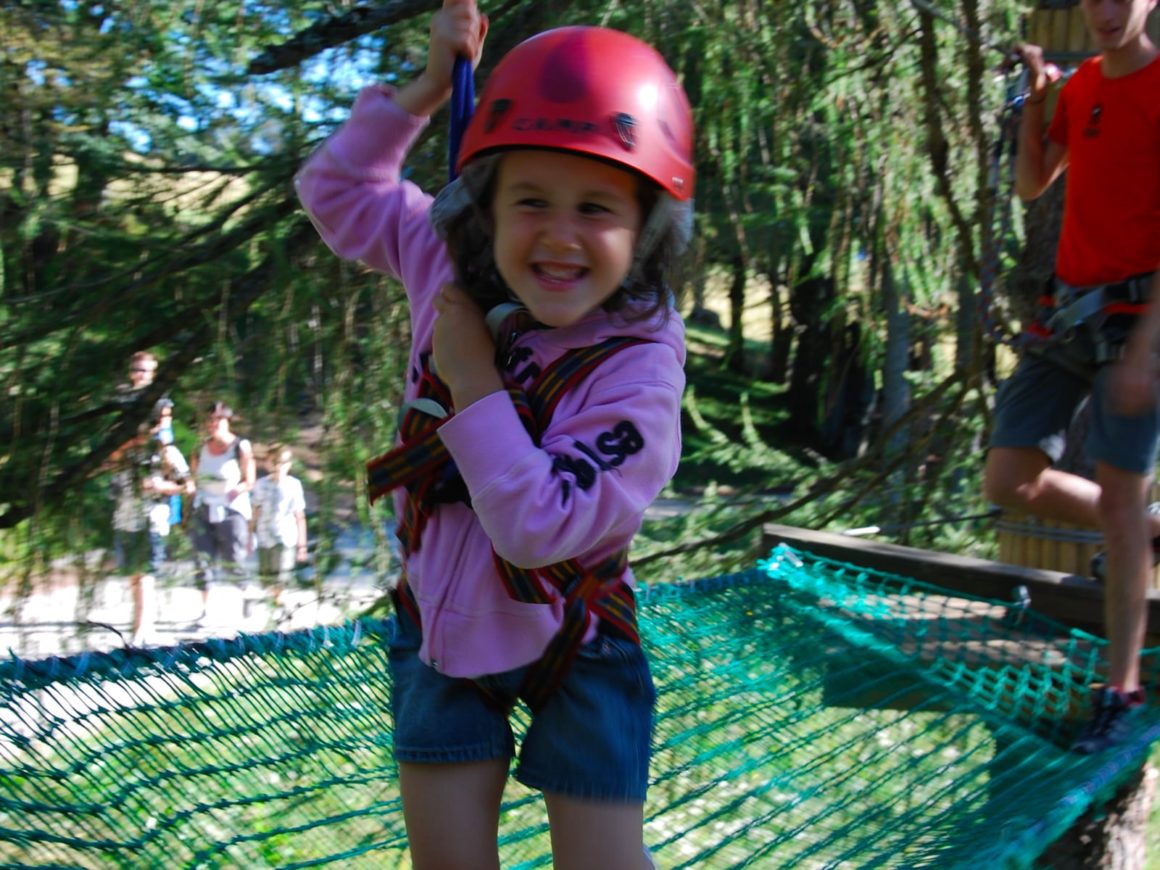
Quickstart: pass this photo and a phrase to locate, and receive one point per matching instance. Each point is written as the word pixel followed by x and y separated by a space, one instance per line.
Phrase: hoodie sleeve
pixel 352 190
pixel 603 459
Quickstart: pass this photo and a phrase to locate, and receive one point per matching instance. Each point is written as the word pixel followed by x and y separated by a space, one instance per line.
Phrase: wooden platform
pixel 1071 599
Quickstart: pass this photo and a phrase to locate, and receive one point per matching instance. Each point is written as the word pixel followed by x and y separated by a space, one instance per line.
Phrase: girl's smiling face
pixel 565 231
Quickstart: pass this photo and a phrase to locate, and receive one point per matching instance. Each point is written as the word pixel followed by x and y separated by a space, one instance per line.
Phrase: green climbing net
pixel 811 713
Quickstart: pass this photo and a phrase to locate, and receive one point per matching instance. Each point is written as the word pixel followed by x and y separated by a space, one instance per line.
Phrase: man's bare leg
pixel 1130 569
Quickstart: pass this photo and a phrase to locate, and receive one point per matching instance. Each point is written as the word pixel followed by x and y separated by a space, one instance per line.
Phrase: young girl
pixel 531 447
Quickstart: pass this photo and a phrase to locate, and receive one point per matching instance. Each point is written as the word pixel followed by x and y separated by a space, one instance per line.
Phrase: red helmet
pixel 592 91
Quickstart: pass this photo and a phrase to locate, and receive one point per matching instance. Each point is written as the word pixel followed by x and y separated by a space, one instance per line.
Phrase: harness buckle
pixel 1075 306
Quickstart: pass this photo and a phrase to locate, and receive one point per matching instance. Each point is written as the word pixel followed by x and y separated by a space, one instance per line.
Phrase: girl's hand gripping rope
pixel 459 29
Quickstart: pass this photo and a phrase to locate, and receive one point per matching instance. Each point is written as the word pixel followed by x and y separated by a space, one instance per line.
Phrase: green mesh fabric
pixel 810 714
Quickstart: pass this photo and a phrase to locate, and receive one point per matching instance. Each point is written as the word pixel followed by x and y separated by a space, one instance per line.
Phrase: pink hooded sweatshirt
pixel 612 445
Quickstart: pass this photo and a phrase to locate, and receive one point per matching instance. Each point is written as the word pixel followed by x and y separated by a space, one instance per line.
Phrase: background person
pixel 224 474
pixel 147 473
pixel 279 522
pixel 1106 134
pixel 142 369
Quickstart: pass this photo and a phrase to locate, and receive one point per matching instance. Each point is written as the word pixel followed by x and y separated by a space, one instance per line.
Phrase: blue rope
pixel 462 105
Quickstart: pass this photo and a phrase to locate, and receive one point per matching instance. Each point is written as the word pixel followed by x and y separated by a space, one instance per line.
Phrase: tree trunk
pixel 808 300
pixel 1111 837
pixel 781 339
pixel 735 353
pixel 895 390
pixel 699 277
pixel 830 391
pixel 1043 220
pixel 967 317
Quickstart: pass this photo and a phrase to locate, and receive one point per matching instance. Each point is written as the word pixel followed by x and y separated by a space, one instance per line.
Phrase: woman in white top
pixel 224 473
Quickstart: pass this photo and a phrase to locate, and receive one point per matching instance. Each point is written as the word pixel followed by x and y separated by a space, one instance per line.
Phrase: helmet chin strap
pixel 496 316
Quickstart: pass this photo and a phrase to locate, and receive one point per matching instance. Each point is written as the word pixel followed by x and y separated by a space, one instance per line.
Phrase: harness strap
pixel 404 600
pixel 599 593
pixel 462 108
pixel 1090 308
pixel 423 465
pixel 1078 310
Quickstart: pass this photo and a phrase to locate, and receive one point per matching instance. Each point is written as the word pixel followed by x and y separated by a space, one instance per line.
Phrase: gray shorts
pixel 277 562
pixel 220 548
pixel 1036 404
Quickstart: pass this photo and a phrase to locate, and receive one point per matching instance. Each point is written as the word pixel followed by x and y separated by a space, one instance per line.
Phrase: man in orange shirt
pixel 1099 335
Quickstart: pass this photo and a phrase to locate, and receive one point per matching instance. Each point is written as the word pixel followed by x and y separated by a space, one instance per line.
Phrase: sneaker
pixel 1110 721
pixel 1099 560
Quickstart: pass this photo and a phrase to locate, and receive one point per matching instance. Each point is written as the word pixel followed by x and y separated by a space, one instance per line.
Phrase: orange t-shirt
pixel 1111 211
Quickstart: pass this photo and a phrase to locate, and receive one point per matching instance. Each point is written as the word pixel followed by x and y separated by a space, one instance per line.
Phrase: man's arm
pixel 1038 159
pixel 302 554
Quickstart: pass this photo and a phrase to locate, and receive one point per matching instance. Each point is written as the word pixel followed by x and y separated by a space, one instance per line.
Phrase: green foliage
pixel 737 474
pixel 145 190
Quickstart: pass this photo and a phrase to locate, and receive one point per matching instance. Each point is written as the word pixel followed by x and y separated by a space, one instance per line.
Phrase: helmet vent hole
pixel 495 114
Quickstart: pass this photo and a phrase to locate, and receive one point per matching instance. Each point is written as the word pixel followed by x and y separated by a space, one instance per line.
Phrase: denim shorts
pixel 590 741
pixel 1036 404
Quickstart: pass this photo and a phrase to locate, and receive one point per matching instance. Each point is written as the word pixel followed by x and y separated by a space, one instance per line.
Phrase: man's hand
pixel 1132 387
pixel 1040 73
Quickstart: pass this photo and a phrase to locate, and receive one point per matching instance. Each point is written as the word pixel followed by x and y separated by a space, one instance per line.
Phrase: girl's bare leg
pixel 587 834
pixel 452 813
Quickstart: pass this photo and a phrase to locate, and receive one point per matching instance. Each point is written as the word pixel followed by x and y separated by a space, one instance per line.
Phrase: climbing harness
pixel 424 467
pixel 652 123
pixel 1070 312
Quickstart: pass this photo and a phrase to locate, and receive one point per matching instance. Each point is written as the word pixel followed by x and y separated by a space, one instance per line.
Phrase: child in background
pixel 279 521
pixel 543 401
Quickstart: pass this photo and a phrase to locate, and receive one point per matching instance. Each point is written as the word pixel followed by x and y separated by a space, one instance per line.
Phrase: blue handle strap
pixel 462 105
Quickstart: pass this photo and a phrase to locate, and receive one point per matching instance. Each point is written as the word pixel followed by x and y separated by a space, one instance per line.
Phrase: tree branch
pixel 336 30
pixel 339 29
